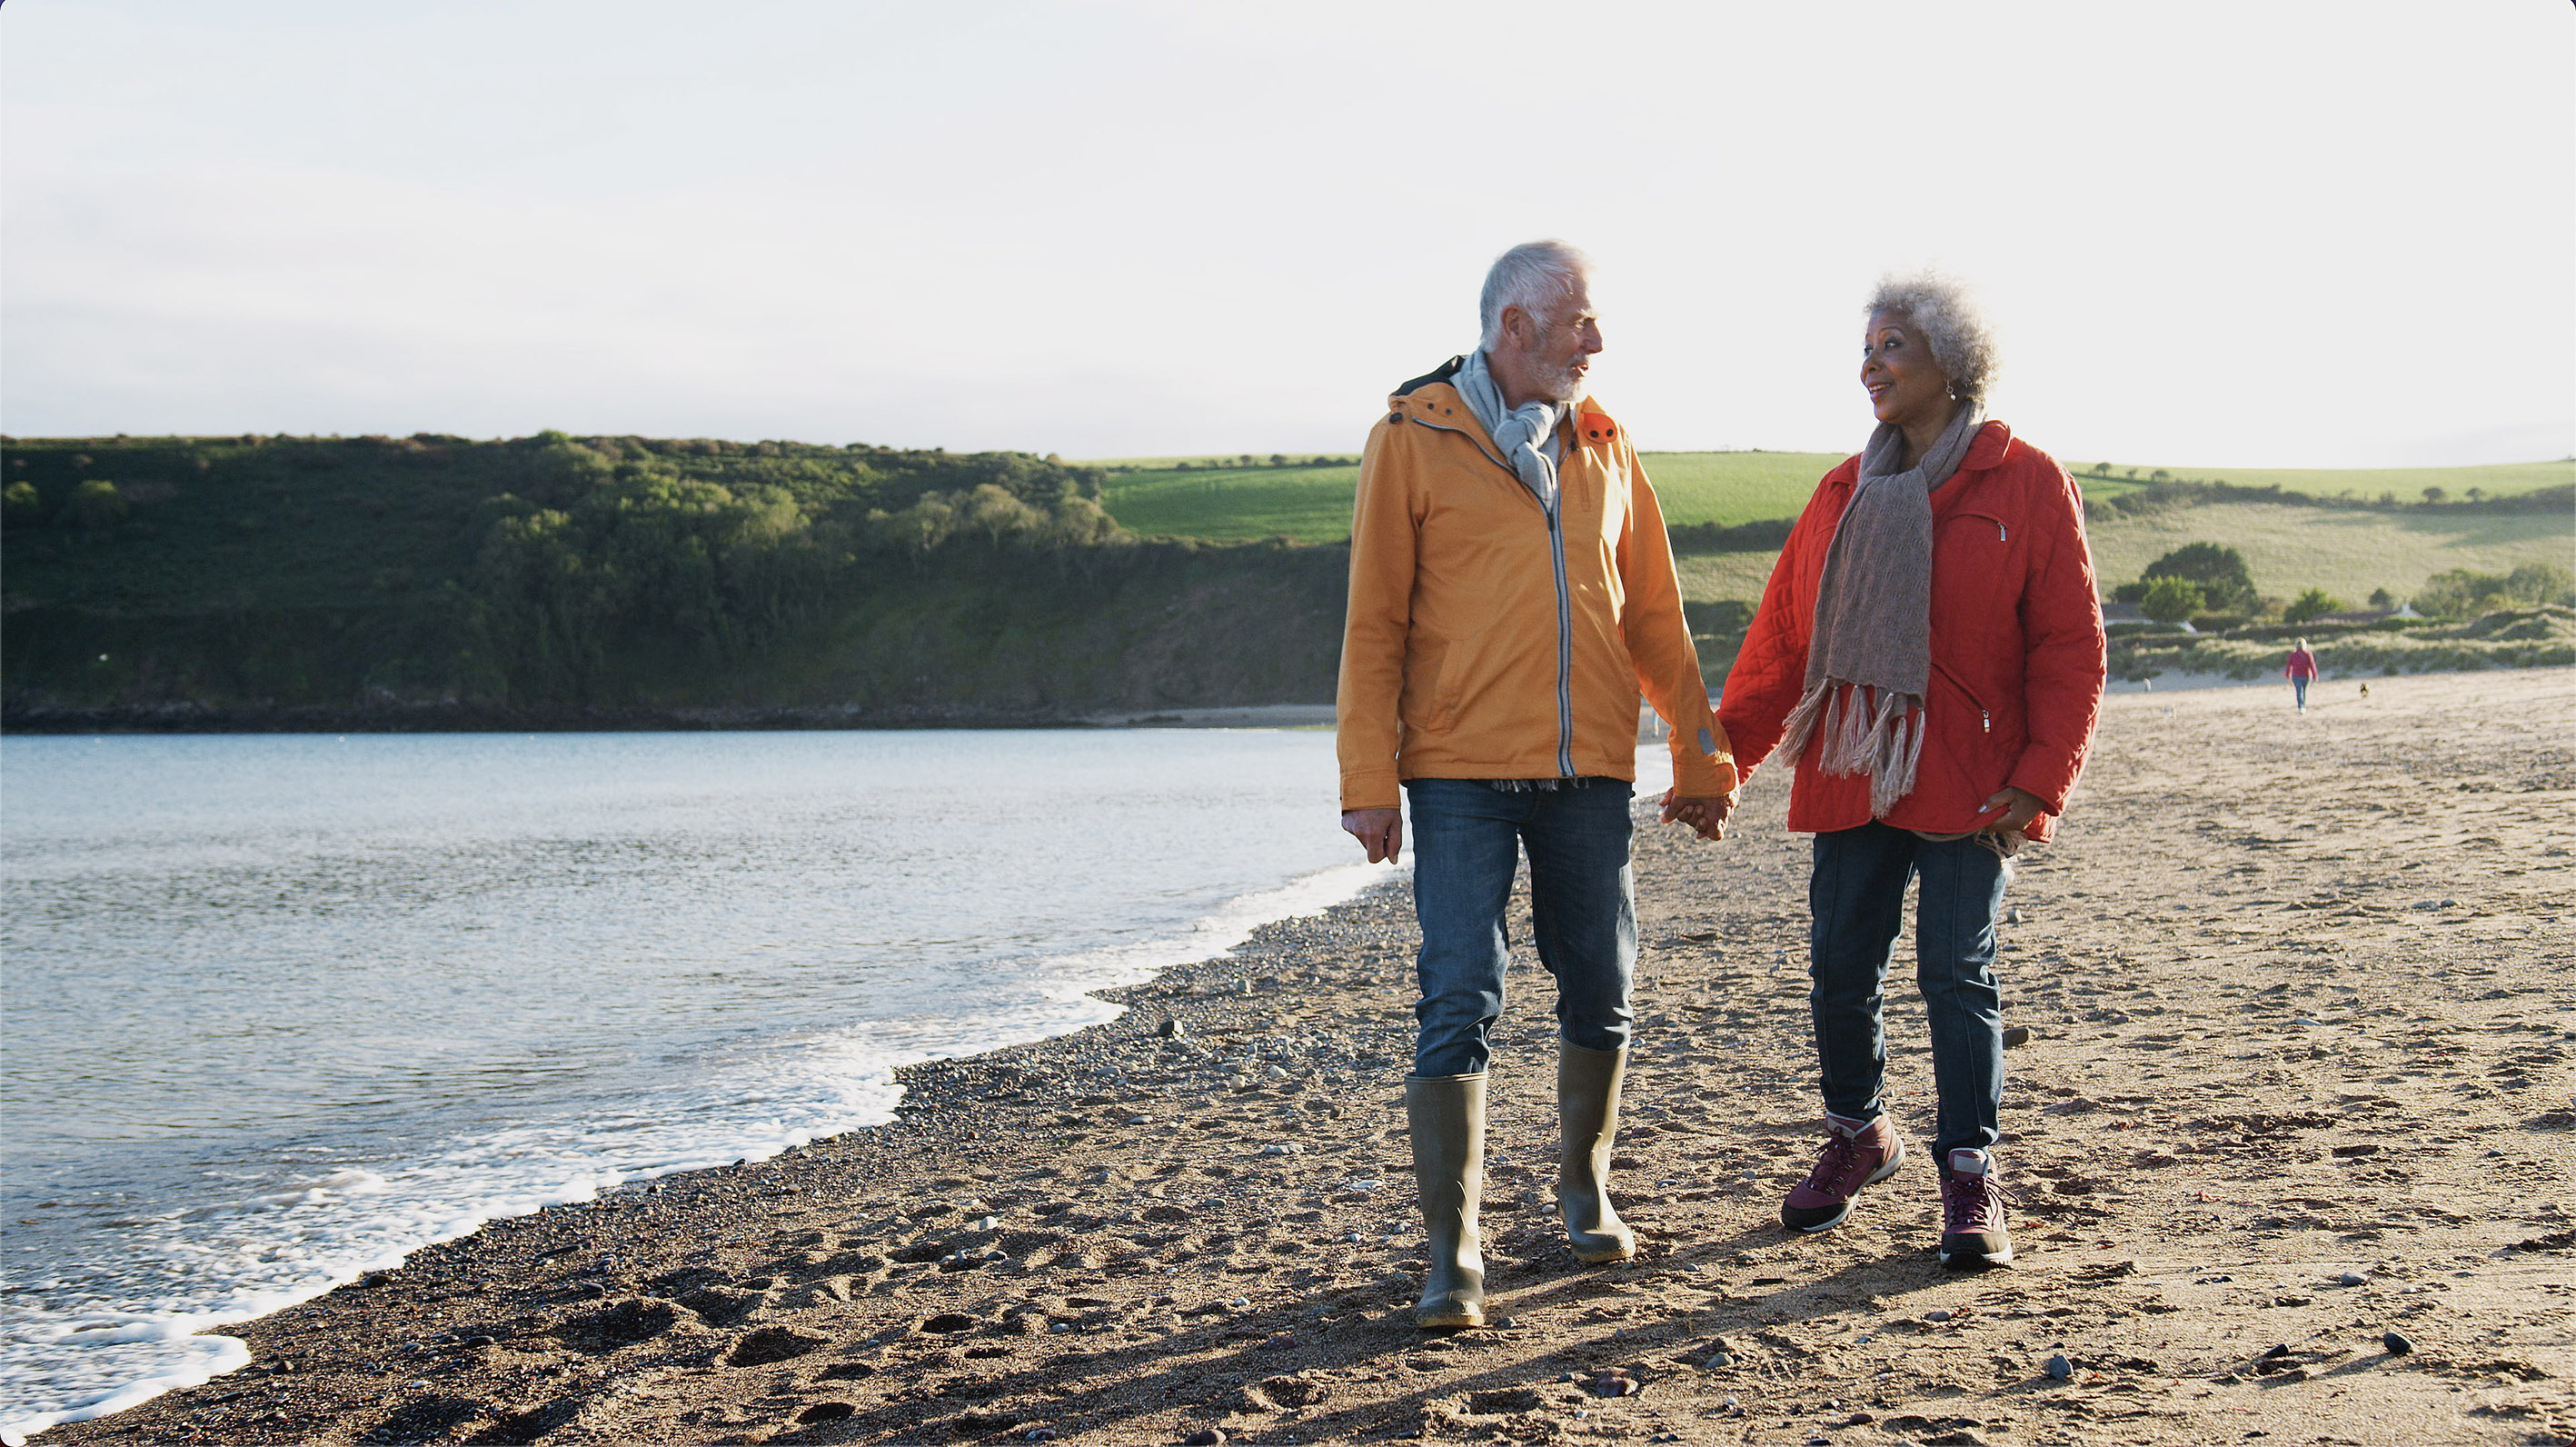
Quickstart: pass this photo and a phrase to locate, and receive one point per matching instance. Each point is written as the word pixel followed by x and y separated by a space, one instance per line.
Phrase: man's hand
pixel 1379 831
pixel 1706 816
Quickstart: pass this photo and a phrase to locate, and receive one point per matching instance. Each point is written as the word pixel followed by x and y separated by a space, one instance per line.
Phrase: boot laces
pixel 1838 1167
pixel 1973 1202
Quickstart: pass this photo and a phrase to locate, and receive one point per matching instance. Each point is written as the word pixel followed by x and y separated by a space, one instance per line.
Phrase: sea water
pixel 281 1009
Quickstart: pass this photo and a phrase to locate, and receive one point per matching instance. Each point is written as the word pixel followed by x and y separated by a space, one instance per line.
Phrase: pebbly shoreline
pixel 2298 1077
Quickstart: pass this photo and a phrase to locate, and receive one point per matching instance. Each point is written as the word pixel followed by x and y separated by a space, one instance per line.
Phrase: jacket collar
pixel 1433 399
pixel 1994 439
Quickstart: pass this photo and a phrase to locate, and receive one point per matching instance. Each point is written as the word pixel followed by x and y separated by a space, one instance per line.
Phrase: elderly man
pixel 1512 591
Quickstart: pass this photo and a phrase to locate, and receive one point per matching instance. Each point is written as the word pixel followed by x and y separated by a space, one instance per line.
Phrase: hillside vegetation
pixel 553 578
pixel 559 581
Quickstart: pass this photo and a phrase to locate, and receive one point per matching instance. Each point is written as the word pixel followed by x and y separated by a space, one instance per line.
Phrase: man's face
pixel 1555 350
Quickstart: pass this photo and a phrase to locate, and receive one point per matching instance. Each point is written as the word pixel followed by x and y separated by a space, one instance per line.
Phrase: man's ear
pixel 1516 328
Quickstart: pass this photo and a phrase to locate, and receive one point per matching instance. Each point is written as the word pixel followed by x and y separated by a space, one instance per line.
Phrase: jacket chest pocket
pixel 1977 568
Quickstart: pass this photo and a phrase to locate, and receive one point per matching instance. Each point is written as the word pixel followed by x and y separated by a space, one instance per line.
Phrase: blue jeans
pixel 2299 688
pixel 1857 896
pixel 1467 838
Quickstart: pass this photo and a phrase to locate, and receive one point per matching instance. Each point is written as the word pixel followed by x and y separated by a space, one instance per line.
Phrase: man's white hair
pixel 1535 276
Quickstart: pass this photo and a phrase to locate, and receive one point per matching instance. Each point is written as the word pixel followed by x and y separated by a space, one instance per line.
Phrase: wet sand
pixel 2301 1015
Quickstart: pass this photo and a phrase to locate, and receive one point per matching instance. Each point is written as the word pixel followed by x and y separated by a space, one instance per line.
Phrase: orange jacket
pixel 1469 653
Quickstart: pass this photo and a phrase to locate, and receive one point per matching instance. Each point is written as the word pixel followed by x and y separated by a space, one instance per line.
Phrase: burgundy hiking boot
pixel 1856 1154
pixel 1973 1232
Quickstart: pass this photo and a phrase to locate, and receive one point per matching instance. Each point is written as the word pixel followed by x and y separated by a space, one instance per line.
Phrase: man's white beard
pixel 1567 387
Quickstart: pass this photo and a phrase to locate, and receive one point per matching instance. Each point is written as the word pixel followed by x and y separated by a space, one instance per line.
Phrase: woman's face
pixel 1897 369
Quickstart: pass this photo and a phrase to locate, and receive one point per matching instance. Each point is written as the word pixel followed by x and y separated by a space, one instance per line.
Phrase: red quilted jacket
pixel 2016 646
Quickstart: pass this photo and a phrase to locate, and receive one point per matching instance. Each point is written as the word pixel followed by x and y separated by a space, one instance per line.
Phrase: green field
pixel 1308 504
pixel 1169 497
pixel 2346 552
pixel 1313 504
pixel 2406 484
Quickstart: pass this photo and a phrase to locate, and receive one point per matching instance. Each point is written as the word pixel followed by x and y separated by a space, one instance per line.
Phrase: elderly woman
pixel 1928 653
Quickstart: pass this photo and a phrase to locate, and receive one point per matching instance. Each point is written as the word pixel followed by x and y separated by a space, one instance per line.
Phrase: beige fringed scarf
pixel 1869 660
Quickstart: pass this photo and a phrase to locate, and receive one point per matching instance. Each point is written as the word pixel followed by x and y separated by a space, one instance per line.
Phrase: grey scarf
pixel 1869 660
pixel 1525 435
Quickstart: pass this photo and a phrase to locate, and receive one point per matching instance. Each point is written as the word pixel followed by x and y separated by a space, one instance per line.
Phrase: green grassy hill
pixel 1310 500
pixel 556 581
pixel 2401 484
pixel 2289 549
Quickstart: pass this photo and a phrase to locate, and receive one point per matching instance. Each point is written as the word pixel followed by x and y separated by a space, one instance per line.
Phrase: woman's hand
pixel 1379 831
pixel 2020 806
pixel 1706 816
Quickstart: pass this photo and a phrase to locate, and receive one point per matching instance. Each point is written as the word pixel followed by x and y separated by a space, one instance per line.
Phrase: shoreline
pixel 425 718
pixel 1124 1235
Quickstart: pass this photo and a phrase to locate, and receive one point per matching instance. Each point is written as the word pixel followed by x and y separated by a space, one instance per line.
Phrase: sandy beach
pixel 2292 1136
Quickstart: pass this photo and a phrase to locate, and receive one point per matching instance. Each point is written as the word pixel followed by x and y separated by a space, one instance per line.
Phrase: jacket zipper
pixel 1985 719
pixel 1564 638
pixel 1564 598
pixel 2002 533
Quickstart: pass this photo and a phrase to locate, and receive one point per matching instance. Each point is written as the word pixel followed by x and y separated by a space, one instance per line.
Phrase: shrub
pixel 95 504
pixel 2309 604
pixel 2466 593
pixel 2224 580
pixel 21 505
pixel 2170 600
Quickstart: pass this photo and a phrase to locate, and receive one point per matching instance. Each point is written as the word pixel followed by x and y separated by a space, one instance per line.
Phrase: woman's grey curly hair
pixel 1946 313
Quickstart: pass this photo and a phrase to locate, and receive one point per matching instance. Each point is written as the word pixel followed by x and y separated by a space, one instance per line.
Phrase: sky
pixel 2253 232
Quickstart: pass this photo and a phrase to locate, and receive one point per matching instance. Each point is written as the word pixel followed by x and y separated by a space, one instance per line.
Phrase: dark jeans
pixel 1467 839
pixel 1857 896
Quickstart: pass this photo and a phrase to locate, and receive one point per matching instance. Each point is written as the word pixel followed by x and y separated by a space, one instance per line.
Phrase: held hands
pixel 1379 831
pixel 1705 816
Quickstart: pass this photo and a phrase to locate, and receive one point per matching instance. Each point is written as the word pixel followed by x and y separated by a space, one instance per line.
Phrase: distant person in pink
pixel 2301 668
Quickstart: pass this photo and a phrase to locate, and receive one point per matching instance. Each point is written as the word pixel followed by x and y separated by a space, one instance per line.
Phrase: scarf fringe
pixel 1865 731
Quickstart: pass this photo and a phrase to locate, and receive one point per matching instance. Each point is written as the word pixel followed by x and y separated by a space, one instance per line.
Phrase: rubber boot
pixel 1447 1113
pixel 1587 1107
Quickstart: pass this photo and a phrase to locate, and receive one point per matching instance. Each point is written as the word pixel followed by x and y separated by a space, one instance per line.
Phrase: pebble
pixel 2012 916
pixel 1938 1315
pixel 1207 1436
pixel 2060 1369
pixel 1283 1148
pixel 2397 1342
pixel 2354 1278
pixel 2017 1035
pixel 1170 1030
